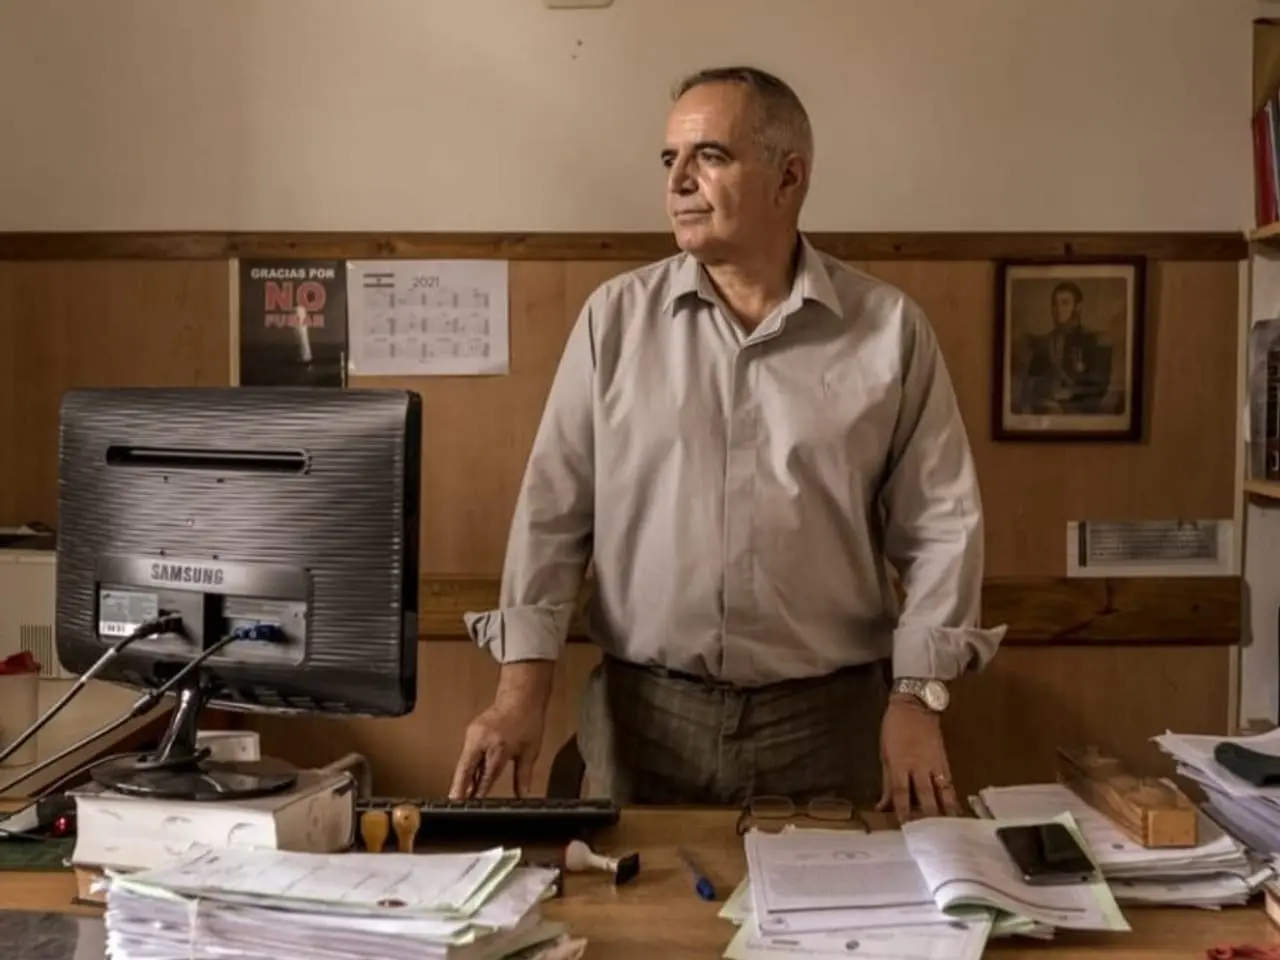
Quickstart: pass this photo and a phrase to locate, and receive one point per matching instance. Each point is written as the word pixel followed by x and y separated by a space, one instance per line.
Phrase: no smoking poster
pixel 293 323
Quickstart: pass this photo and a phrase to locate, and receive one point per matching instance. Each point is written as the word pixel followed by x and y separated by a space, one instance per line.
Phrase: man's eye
pixel 711 156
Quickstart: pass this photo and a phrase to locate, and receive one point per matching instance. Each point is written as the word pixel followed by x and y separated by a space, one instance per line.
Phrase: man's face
pixel 1064 306
pixel 723 193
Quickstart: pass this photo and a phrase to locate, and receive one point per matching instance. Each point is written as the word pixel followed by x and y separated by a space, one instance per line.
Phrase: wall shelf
pixel 1269 489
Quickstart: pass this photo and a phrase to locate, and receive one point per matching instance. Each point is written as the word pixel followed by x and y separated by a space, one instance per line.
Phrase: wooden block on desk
pixel 1149 810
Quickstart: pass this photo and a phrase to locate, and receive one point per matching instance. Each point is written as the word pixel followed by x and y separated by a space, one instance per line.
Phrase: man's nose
pixel 679 181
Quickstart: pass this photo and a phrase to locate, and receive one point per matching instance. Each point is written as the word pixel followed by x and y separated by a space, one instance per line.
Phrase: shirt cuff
pixel 520 633
pixel 943 653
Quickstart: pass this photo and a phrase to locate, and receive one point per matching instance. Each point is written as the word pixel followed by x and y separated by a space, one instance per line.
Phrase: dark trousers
pixel 651 737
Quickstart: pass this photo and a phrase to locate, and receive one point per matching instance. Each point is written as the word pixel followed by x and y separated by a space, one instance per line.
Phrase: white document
pixel 1209 892
pixel 966 866
pixel 1255 821
pixel 148 924
pixel 832 869
pixel 414 318
pixel 1195 752
pixel 737 910
pixel 257 904
pixel 441 884
pixel 960 940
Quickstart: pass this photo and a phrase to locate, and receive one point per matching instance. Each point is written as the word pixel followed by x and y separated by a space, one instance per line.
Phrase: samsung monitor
pixel 247 548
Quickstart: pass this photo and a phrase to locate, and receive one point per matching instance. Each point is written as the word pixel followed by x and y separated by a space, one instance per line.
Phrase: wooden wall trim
pixel 1050 611
pixel 604 246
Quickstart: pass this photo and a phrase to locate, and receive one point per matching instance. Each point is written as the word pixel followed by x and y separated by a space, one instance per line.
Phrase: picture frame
pixel 1070 340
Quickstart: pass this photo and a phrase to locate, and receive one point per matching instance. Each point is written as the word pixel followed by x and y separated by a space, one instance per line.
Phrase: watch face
pixel 935 695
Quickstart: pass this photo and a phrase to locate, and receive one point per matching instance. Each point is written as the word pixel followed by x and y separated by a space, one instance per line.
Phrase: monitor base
pixel 203 780
pixel 181 769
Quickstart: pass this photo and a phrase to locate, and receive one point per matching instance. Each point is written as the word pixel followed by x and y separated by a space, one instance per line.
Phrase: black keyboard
pixel 502 819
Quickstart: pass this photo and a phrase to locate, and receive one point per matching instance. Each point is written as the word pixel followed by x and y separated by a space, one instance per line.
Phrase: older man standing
pixel 742 439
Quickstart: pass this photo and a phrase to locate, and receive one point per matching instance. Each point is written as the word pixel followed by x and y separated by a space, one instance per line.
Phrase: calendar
pixel 415 318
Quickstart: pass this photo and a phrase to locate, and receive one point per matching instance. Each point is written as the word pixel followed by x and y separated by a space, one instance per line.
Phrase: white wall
pixel 502 115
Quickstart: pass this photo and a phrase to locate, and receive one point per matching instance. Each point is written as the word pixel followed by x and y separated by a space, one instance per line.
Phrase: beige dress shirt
pixel 739 496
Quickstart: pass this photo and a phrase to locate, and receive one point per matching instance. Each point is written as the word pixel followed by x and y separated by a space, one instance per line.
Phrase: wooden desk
pixel 658 915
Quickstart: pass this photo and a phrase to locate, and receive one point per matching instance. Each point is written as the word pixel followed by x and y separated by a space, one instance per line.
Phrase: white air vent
pixel 37 639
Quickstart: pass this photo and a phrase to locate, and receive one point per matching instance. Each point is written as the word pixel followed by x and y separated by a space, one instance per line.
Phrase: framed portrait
pixel 1069 350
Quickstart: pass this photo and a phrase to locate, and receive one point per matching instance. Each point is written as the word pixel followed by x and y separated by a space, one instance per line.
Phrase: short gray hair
pixel 783 125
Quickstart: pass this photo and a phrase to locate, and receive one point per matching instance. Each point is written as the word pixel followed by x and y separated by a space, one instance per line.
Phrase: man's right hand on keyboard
pixel 510 731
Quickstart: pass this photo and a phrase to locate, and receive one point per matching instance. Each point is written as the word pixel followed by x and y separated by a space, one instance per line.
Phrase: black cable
pixel 163 624
pixel 43 794
pixel 74 772
pixel 143 704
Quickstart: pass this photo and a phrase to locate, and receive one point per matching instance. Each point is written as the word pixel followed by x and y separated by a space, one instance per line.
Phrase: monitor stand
pixel 180 769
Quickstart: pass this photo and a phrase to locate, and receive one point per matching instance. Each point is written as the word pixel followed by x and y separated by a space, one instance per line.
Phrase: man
pixel 1068 368
pixel 739 438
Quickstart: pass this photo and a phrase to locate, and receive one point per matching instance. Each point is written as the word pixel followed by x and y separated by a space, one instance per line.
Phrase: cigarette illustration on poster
pixel 293 323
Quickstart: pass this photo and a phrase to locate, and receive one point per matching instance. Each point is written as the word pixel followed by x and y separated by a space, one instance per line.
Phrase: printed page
pixel 954 941
pixel 965 865
pixel 1196 751
pixel 422 318
pixel 738 910
pixel 831 869
pixel 445 884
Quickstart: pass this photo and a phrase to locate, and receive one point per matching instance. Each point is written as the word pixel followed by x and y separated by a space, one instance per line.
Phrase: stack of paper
pixel 966 867
pixel 940 887
pixel 818 892
pixel 266 904
pixel 1251 814
pixel 1215 873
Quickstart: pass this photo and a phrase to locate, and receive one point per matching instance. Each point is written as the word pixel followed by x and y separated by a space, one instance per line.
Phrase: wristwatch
pixel 932 693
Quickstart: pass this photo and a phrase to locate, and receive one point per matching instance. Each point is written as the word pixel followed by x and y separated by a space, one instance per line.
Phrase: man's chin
pixel 694 241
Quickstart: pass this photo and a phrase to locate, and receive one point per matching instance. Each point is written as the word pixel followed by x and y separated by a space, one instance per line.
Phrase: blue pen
pixel 701 885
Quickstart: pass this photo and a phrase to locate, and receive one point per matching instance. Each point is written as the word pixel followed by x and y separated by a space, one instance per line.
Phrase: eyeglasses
pixel 829 809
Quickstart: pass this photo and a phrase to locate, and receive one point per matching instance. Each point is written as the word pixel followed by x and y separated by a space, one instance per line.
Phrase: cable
pixel 168 623
pixel 143 704
pixel 43 794
pixel 74 772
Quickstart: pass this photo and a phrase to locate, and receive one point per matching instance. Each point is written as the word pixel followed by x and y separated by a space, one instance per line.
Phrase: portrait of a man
pixel 1069 350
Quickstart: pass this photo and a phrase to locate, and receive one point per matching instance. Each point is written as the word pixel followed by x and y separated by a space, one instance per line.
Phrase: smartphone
pixel 1046 854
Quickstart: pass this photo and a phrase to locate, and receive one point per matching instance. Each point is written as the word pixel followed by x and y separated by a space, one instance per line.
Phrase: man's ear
pixel 794 181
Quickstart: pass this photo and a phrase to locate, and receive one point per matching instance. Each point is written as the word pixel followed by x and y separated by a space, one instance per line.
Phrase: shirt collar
pixel 812 282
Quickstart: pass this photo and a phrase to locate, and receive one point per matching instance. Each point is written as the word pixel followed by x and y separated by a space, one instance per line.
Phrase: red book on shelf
pixel 1263 161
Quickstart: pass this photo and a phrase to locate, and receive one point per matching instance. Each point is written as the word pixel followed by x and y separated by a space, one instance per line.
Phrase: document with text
pixel 826 869
pixel 445 885
pixel 961 940
pixel 965 866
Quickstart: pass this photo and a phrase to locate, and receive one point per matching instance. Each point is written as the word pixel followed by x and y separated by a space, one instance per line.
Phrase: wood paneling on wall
pixel 155 310
pixel 96 323
pixel 214 245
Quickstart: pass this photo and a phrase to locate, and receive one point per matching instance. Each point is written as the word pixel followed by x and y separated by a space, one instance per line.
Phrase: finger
pixel 925 793
pixel 522 780
pixel 464 774
pixel 495 759
pixel 947 792
pixel 901 785
pixel 886 795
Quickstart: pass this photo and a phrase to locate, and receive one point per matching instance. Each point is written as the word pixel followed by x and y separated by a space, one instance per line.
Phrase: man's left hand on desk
pixel 914 761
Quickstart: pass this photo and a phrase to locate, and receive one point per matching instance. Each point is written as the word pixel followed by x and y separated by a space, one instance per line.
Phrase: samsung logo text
pixel 186 573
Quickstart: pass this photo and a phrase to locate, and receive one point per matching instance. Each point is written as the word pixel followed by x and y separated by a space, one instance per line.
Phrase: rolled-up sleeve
pixel 933 521
pixel 549 545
